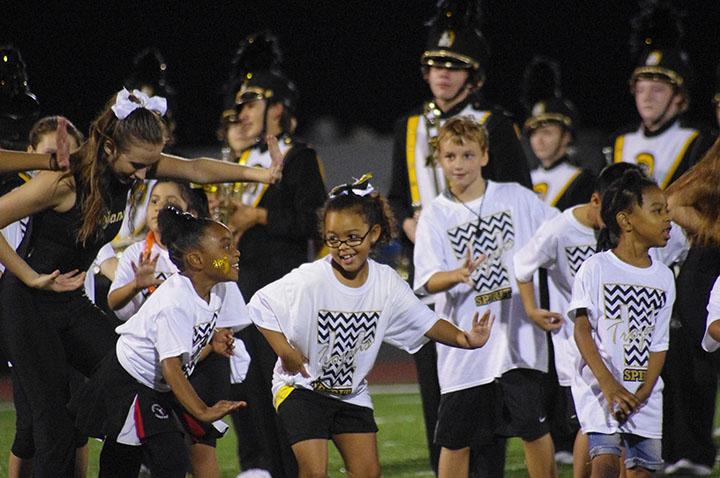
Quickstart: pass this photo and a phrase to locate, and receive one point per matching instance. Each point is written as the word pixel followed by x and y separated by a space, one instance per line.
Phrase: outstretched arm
pixel 15 161
pixel 208 171
pixel 188 398
pixel 448 334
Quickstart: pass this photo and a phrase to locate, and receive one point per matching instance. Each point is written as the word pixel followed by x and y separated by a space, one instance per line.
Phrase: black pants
pixel 165 454
pixel 45 333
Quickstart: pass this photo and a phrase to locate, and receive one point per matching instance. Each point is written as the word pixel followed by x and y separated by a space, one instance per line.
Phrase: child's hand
pixel 621 403
pixel 643 393
pixel 464 273
pixel 546 320
pixel 278 160
pixel 219 410
pixel 293 362
pixel 145 272
pixel 223 342
pixel 481 328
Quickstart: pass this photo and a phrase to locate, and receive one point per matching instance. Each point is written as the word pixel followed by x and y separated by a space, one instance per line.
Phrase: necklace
pixel 477 214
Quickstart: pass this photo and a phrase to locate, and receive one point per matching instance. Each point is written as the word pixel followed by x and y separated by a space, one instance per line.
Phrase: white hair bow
pixel 127 102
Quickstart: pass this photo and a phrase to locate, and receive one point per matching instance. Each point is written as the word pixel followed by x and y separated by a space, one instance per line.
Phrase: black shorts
pixel 103 403
pixel 468 417
pixel 308 415
pixel 523 405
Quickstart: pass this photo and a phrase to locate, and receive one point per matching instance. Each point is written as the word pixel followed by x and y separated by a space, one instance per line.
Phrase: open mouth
pixel 347 258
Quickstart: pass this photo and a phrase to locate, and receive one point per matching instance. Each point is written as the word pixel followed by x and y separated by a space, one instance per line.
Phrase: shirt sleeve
pixel 124 274
pixel 539 251
pixel 661 334
pixel 410 319
pixel 428 254
pixel 713 308
pixel 582 294
pixel 266 307
pixel 174 334
pixel 233 313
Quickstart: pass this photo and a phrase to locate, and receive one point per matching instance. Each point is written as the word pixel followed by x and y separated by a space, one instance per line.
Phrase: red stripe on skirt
pixel 139 427
pixel 196 429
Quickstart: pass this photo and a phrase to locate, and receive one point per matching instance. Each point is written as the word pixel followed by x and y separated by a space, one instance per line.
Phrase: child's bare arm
pixel 448 334
pixel 292 360
pixel 188 398
pixel 621 402
pixel 543 318
pixel 655 365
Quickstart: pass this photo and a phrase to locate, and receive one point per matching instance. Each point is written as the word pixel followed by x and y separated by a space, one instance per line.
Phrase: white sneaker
pixel 564 458
pixel 254 473
pixel 687 467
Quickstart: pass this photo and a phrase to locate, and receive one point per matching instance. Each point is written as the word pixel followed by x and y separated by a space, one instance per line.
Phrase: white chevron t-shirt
pixel 496 225
pixel 339 329
pixel 629 311
pixel 176 322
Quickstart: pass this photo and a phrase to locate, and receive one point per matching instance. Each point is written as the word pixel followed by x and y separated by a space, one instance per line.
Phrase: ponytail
pixel 180 232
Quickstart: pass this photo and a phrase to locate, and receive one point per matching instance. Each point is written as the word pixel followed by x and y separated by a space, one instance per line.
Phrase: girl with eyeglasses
pixel 326 321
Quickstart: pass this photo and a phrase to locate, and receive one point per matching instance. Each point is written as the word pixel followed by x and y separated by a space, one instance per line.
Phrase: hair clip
pixel 126 103
pixel 361 187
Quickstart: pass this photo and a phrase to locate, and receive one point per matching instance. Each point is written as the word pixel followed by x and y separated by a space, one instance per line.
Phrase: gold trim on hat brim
pixel 657 72
pixel 535 122
pixel 435 58
pixel 252 93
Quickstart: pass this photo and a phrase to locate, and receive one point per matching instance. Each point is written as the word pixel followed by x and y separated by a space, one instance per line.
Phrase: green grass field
pixel 401 440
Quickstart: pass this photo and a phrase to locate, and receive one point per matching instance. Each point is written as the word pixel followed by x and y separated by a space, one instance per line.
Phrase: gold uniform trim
pixel 410 142
pixel 564 188
pixel 281 395
pixel 678 159
pixel 617 151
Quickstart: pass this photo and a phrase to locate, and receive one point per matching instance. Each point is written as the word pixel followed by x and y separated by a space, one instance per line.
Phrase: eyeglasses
pixel 353 241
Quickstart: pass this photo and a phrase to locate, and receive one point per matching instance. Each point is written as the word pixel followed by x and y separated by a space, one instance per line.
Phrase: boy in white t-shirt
pixel 475 217
pixel 621 303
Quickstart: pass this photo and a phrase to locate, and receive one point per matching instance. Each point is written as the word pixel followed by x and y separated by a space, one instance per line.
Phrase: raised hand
pixel 546 320
pixel 145 272
pixel 58 282
pixel 278 160
pixel 465 272
pixel 62 154
pixel 479 334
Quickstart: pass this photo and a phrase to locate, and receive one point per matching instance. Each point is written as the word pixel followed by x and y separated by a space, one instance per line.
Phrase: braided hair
pixel 621 195
pixel 181 231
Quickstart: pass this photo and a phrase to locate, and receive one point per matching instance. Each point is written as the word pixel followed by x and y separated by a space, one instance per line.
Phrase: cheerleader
pixel 48 323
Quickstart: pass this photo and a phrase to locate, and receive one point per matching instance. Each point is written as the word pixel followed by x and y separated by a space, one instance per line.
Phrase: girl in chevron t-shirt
pixel 621 303
pixel 326 321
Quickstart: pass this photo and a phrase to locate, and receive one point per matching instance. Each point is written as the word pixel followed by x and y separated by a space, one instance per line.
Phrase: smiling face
pixel 162 195
pixel 349 260
pixel 133 163
pixel 251 116
pixel 650 223
pixel 220 256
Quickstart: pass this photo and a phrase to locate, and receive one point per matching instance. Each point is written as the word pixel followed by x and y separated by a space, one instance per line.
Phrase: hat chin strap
pixel 465 87
pixel 659 120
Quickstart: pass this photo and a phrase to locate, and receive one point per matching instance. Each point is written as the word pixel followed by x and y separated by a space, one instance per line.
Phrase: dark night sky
pixel 355 61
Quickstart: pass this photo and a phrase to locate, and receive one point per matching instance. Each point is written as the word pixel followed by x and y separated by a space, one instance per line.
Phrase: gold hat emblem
pixel 447 39
pixel 653 58
pixel 539 108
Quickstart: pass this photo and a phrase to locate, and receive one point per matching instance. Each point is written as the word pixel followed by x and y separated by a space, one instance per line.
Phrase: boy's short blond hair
pixel 461 129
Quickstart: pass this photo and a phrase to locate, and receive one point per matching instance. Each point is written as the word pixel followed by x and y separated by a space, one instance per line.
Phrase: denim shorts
pixel 639 451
